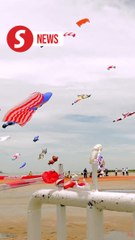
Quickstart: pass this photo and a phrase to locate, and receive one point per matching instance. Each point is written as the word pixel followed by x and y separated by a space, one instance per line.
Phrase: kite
pixel 50 176
pixel 117 120
pixel 53 160
pixel 74 182
pixel 23 165
pixel 101 165
pixel 42 154
pixel 110 67
pixel 124 115
pixel 15 184
pixel 101 162
pixel 82 21
pixel 25 180
pixel 44 151
pixel 94 153
pixel 36 139
pixel 22 113
pixel 69 34
pixel 16 156
pixel 98 159
pixel 80 97
pixel 4 138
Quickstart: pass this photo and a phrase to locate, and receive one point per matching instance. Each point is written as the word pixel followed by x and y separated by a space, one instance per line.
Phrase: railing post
pixel 133 226
pixel 94 176
pixel 60 182
pixel 61 223
pixel 34 221
pixel 95 230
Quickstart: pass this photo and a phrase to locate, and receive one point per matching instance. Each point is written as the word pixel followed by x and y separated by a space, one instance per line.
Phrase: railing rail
pixel 95 203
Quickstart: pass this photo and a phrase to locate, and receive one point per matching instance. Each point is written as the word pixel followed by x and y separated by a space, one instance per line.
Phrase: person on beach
pixel 126 170
pixel 123 171
pixel 85 172
pixel 69 174
pixel 116 171
pixel 30 173
pixel 106 172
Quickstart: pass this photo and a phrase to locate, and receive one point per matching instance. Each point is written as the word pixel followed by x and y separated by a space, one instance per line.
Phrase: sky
pixel 77 67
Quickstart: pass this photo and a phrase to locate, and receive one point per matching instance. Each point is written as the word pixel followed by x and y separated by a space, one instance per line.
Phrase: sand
pixel 14 204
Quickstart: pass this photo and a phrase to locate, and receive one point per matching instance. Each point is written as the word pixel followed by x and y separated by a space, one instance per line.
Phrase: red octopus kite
pixel 50 176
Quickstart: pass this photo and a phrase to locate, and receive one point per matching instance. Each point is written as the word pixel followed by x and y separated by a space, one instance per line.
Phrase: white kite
pixel 4 138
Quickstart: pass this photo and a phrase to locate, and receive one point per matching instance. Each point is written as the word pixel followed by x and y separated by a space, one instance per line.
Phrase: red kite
pixel 50 176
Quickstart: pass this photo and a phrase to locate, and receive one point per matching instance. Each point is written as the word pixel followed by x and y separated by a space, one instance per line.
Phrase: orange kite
pixel 82 21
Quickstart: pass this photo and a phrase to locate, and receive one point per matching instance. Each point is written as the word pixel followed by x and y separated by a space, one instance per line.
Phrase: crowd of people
pixel 124 171
pixel 105 172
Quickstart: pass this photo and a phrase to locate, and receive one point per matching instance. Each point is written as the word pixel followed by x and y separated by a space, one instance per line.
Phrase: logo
pixel 20 38
pixel 48 39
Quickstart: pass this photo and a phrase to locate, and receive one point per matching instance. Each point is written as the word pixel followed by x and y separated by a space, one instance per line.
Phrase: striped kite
pixel 23 112
pixel 69 34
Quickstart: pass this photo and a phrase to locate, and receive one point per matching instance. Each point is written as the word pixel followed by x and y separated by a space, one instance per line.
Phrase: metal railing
pixel 95 203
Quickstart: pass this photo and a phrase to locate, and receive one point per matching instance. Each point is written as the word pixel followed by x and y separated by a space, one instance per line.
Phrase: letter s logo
pixel 20 38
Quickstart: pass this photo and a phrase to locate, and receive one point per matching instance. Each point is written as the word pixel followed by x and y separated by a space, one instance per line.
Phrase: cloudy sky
pixel 79 66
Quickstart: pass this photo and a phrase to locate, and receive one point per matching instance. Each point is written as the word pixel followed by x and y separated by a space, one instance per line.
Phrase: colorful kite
pixel 82 21
pixel 80 97
pixel 101 162
pixel 16 156
pixel 22 113
pixel 124 115
pixel 69 34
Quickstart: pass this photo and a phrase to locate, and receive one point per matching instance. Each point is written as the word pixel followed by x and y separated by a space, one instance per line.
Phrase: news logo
pixel 48 39
pixel 21 38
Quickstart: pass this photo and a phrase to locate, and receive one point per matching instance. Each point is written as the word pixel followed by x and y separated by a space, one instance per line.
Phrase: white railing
pixel 94 201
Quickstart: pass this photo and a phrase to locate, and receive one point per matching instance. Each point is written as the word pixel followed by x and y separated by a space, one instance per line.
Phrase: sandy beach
pixel 14 204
